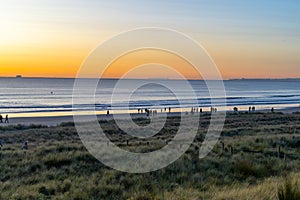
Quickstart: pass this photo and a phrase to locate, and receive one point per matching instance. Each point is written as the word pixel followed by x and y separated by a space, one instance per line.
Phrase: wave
pixel 174 103
pixel 283 96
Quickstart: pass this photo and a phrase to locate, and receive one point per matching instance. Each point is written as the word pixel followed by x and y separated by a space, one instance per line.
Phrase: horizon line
pixel 114 78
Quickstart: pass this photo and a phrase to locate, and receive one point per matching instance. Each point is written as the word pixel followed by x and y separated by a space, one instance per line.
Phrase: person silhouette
pixel 25 146
pixel 1 119
pixel 6 119
pixel 147 111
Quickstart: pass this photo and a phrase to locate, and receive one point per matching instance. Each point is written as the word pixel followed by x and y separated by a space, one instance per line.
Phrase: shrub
pixel 66 186
pixel 245 168
pixel 43 190
pixel 36 126
pixel 67 124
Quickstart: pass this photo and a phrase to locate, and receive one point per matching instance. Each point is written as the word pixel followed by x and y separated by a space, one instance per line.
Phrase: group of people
pixel 196 110
pixel 165 109
pixel 236 109
pixel 193 110
pixel 212 109
pixel 251 108
pixel 154 112
pixel 5 120
pixel 147 111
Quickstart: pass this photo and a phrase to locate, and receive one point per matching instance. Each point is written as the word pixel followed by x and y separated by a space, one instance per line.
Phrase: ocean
pixel 21 97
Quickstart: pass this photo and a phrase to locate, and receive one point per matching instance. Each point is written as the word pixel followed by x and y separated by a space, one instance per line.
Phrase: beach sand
pixel 56 120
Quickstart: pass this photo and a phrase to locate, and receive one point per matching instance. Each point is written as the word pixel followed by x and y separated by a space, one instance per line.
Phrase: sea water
pixel 53 96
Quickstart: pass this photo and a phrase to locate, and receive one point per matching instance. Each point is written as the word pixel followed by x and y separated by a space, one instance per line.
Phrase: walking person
pixel 235 109
pixel 1 119
pixel 147 111
pixel 6 119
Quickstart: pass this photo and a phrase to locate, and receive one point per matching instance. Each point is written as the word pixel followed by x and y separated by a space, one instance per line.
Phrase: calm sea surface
pixel 46 96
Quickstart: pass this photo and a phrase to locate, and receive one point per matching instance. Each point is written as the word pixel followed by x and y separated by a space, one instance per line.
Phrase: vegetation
pixel 250 164
pixel 289 191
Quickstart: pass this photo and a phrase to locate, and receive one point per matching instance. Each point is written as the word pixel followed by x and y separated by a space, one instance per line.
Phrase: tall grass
pixel 289 190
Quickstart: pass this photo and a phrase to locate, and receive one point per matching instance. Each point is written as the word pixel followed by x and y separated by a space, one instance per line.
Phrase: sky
pixel 246 39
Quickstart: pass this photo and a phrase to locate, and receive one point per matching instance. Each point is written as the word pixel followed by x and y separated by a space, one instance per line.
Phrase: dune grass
pixel 57 165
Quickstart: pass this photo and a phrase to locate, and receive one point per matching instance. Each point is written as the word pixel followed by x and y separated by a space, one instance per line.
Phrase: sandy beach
pixel 56 120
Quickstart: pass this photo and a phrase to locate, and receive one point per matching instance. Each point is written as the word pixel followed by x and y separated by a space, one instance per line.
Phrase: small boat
pixel 19 76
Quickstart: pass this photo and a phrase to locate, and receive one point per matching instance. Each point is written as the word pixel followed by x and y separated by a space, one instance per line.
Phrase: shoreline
pixel 57 120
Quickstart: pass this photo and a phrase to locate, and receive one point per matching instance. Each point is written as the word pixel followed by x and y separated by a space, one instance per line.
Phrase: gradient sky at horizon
pixel 246 39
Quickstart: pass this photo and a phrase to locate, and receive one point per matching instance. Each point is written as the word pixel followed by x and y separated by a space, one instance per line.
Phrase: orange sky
pixel 65 61
pixel 139 58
